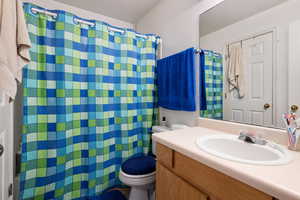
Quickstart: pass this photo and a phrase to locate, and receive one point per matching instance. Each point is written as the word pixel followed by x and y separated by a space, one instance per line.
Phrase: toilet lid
pixel 139 165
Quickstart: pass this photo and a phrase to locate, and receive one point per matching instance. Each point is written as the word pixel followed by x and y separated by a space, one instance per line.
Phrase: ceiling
pixel 231 11
pixel 126 10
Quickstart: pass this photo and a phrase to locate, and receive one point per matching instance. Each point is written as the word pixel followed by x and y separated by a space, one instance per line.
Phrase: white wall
pixel 50 4
pixel 277 18
pixel 177 22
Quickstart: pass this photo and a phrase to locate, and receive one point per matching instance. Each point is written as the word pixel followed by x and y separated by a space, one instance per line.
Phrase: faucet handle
pixel 251 138
pixel 246 137
pixel 246 133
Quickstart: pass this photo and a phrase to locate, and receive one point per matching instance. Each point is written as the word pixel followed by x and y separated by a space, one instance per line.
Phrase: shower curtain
pixel 211 88
pixel 89 104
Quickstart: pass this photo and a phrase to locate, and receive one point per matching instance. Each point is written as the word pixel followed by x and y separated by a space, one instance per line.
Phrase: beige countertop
pixel 282 182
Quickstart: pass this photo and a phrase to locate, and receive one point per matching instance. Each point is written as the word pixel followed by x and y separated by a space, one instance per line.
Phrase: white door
pixel 6 159
pixel 294 65
pixel 256 107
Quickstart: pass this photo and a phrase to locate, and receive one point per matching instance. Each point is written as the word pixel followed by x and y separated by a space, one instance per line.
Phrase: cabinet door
pixel 169 186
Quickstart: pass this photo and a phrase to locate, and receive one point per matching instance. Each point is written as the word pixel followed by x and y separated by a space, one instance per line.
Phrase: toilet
pixel 139 172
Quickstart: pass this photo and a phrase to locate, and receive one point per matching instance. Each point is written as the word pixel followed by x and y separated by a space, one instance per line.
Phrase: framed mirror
pixel 258 43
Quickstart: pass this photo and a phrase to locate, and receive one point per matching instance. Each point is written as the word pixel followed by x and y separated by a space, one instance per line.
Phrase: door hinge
pixel 10 190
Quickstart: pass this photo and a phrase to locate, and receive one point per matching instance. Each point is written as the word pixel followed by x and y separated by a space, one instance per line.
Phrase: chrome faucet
pixel 248 138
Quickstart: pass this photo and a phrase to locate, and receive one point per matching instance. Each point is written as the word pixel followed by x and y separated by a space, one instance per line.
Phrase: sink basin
pixel 231 148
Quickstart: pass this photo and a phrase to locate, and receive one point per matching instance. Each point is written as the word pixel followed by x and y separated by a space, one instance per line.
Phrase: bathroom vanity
pixel 184 172
pixel 180 177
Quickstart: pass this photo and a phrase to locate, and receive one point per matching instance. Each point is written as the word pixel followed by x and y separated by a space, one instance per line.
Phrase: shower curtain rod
pixel 84 22
pixel 37 10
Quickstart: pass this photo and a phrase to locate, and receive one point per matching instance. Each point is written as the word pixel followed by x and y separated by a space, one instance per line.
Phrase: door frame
pixel 292 62
pixel 274 31
pixel 8 148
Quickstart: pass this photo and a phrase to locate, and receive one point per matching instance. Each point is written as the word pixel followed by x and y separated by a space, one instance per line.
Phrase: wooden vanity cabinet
pixel 170 186
pixel 181 178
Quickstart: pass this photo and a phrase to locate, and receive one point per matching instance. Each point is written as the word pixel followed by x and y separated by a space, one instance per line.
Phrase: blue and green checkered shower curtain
pixel 89 104
pixel 212 80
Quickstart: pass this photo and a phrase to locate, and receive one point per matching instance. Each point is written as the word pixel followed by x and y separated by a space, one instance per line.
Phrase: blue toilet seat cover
pixel 139 165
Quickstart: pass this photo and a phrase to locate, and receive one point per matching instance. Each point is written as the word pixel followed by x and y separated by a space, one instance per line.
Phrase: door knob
pixel 294 108
pixel 1 150
pixel 267 106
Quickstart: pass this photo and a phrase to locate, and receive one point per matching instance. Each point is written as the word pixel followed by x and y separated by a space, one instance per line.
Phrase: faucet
pixel 249 138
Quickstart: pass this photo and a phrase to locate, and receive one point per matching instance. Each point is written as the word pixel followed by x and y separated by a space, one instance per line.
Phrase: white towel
pixel 235 69
pixel 14 46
